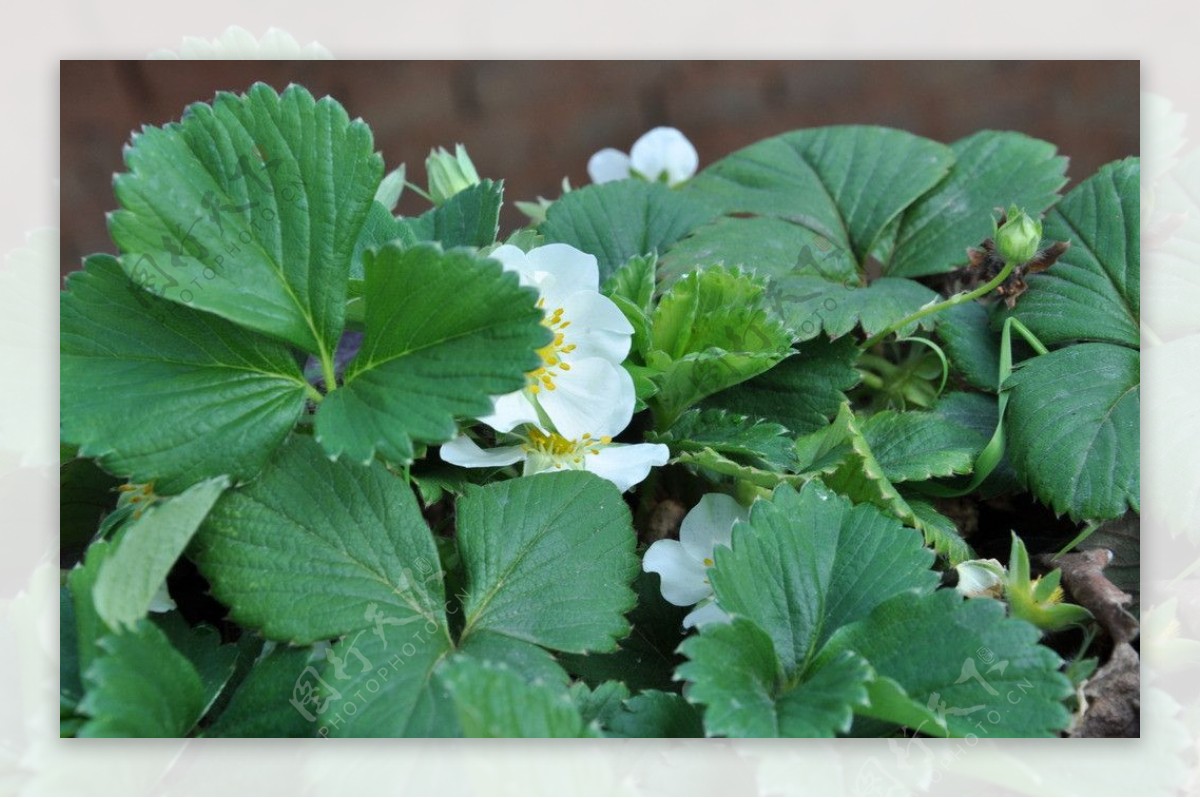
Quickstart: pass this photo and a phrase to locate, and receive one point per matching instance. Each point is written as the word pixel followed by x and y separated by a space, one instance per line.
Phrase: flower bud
pixel 1018 238
pixel 449 174
pixel 980 578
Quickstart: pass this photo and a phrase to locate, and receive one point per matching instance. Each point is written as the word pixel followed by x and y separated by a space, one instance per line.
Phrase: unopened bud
pixel 1018 238
pixel 449 174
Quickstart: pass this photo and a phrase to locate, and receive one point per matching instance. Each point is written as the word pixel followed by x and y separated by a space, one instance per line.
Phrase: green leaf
pixel 494 701
pixel 600 705
pixel 249 208
pixel 141 686
pixel 941 533
pixel 1093 292
pixel 471 218
pixel 146 550
pixel 549 560
pixel 845 183
pixel 733 671
pixel 201 645
pixel 991 170
pixel 809 562
pixel 971 344
pixel 809 305
pixel 261 705
pixel 379 228
pixel 314 549
pixel 378 687
pixel 802 392
pixel 616 221
pixel 656 714
pixel 89 625
pixel 86 495
pixel 444 333
pixel 535 664
pixel 762 443
pixel 70 679
pixel 1073 429
pixel 712 330
pixel 983 673
pixel 646 658
pixel 634 282
pixel 381 685
pixel 980 414
pixel 185 395
pixel 845 460
pixel 917 446
pixel 769 247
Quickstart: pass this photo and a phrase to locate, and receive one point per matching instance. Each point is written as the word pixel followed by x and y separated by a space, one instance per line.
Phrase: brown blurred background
pixel 534 122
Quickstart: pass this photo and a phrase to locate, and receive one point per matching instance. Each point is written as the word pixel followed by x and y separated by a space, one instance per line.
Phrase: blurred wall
pixel 534 122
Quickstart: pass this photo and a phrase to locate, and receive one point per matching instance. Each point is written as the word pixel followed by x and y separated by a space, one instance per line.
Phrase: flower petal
pixel 706 612
pixel 664 149
pixel 598 327
pixel 595 397
pixel 161 601
pixel 607 165
pixel 626 465
pixel 514 259
pixel 462 451
pixel 510 411
pixel 683 580
pixel 710 524
pixel 561 270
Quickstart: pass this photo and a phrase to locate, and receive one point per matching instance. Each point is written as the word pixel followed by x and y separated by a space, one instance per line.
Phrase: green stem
pixel 328 372
pixel 414 188
pixel 993 453
pixel 313 393
pixel 957 299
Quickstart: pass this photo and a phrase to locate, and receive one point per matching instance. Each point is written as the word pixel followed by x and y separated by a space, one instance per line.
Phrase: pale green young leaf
pixel 445 332
pixel 634 281
pixel 146 549
pixel 992 169
pixel 249 208
pixel 549 560
pixel 711 331
pixel 159 392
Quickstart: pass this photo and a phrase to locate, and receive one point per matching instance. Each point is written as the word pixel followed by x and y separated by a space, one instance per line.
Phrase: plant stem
pixel 957 299
pixel 313 393
pixel 328 373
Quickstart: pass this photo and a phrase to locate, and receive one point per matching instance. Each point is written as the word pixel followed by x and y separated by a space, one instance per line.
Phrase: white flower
pixel 237 42
pixel 580 387
pixel 978 578
pixel 162 601
pixel 624 465
pixel 662 152
pixel 683 564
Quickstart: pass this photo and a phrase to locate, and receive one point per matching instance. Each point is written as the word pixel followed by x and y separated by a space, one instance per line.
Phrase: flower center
pixel 561 452
pixel 552 353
